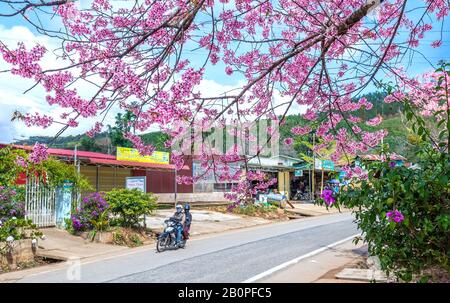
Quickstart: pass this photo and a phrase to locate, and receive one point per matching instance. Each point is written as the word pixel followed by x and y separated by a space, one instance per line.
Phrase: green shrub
pixel 92 214
pixel 10 206
pixel 17 229
pixel 9 169
pixel 404 213
pixel 135 240
pixel 130 206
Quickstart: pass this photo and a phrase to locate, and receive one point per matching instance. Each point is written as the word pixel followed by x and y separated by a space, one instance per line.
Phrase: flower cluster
pixel 20 161
pixel 43 121
pixel 9 207
pixel 91 208
pixel 327 196
pixel 395 216
pixel 39 153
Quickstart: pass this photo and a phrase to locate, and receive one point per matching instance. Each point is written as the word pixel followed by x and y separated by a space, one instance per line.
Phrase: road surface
pixel 234 256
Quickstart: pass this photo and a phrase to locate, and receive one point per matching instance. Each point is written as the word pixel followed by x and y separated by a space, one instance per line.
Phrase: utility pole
pixel 75 159
pixel 313 168
pixel 175 171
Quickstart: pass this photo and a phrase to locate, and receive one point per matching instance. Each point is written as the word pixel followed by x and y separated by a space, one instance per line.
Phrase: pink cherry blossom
pixel 288 141
pixel 154 59
pixel 38 154
pixel 375 121
pixel 20 161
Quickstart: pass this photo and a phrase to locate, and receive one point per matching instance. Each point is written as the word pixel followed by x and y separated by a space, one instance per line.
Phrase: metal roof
pixel 99 158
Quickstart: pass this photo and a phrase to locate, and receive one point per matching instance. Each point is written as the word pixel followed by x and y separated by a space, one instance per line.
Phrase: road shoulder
pixel 323 267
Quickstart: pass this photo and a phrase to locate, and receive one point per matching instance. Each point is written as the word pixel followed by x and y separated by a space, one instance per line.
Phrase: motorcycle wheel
pixel 182 244
pixel 162 244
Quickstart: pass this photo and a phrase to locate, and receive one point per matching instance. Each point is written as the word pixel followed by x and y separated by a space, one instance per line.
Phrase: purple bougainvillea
pixel 395 216
pixel 91 207
pixel 327 196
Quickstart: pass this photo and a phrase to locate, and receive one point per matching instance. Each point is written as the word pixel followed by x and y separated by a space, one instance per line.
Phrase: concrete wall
pixel 192 197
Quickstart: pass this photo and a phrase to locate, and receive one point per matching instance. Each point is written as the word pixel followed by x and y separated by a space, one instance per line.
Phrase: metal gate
pixel 40 203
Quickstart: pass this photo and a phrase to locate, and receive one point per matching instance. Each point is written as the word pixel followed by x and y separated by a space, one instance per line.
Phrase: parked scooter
pixel 167 239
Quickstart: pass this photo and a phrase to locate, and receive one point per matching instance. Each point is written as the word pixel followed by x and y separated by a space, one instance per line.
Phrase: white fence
pixel 40 203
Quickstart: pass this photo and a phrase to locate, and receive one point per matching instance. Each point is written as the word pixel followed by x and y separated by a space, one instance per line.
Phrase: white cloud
pixel 12 90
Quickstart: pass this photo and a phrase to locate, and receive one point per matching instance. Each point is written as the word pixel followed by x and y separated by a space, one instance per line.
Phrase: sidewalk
pixel 61 245
pixel 323 267
pixel 309 209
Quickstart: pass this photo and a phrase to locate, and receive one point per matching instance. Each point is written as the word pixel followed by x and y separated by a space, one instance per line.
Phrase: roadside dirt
pixel 38 261
pixel 276 214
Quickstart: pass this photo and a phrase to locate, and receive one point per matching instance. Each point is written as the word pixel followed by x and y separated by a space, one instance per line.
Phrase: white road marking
pixel 294 261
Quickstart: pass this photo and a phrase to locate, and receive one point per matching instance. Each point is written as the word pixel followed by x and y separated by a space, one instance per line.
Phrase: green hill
pixel 105 142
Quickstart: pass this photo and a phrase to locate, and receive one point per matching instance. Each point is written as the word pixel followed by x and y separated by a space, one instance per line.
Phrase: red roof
pixel 133 164
pixel 67 152
pixel 99 158
pixel 80 154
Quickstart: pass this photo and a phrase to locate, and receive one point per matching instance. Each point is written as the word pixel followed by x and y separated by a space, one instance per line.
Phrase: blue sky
pixel 13 30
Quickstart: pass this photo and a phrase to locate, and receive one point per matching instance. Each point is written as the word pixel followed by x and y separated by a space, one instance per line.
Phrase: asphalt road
pixel 229 257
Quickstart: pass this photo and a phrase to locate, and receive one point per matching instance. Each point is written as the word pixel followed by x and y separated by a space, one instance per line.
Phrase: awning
pixel 138 165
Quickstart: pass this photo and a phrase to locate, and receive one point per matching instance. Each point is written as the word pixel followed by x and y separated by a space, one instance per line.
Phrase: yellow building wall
pixel 108 177
pixel 284 183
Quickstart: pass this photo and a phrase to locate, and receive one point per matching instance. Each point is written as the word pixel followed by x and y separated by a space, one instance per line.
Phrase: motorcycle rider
pixel 181 219
pixel 188 219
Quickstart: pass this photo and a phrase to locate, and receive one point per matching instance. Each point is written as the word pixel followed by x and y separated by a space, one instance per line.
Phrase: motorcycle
pixel 166 240
pixel 301 195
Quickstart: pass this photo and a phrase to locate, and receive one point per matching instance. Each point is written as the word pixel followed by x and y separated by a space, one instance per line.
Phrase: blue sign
pixel 328 165
pixel 298 173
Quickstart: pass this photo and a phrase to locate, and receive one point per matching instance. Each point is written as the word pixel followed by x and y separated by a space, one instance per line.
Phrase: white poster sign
pixel 136 182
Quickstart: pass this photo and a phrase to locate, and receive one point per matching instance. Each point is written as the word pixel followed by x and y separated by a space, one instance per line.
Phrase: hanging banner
pixel 132 155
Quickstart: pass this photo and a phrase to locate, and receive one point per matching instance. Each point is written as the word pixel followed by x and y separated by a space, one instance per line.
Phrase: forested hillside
pixel 107 141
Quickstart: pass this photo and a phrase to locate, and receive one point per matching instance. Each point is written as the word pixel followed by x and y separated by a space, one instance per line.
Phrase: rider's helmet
pixel 187 207
pixel 179 208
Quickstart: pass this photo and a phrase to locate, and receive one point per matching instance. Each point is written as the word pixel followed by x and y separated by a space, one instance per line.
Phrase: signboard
pixel 318 164
pixel 132 154
pixel 298 173
pixel 328 165
pixel 302 166
pixel 136 182
pixel 325 164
